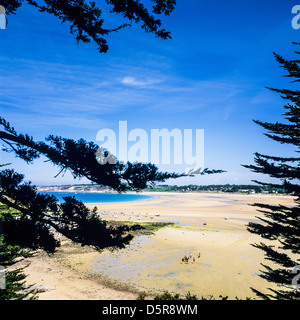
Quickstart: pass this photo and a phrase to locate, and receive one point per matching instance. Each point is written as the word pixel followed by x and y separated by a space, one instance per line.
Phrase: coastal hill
pixel 75 188
pixel 228 188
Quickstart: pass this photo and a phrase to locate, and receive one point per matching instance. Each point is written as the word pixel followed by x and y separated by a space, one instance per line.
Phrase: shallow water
pixel 91 197
pixel 115 265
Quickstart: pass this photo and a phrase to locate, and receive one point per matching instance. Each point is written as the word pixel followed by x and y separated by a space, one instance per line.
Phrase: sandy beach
pixel 211 227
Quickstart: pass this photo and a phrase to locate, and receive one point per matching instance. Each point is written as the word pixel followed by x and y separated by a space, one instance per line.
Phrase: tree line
pixel 30 219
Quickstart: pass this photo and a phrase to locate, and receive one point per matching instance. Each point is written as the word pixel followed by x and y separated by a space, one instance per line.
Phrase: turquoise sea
pixel 90 197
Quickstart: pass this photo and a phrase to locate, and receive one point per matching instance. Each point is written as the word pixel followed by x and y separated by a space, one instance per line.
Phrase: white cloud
pixel 132 81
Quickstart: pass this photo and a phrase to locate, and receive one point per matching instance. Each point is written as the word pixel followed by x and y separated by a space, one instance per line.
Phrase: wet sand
pixel 193 209
pixel 213 225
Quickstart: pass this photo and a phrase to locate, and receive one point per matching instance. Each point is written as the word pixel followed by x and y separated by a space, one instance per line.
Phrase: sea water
pixel 94 197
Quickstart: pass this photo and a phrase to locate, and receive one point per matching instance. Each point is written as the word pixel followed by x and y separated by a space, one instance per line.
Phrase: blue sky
pixel 212 75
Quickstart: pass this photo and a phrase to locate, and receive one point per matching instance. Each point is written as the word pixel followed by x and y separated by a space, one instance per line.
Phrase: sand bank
pixel 213 225
pixel 193 209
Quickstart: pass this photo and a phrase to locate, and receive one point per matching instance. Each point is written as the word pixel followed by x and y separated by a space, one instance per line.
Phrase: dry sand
pixel 213 225
pixel 62 281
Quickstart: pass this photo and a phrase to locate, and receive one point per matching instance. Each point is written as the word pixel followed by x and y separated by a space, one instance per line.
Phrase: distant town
pixel 230 188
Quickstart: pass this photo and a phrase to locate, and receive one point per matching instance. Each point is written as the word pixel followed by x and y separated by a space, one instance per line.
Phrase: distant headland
pixel 227 188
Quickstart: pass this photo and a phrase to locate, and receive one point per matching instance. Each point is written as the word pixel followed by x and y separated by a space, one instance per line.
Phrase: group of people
pixel 186 259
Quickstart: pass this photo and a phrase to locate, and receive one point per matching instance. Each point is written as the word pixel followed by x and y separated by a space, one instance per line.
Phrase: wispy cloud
pixel 132 81
pixel 81 96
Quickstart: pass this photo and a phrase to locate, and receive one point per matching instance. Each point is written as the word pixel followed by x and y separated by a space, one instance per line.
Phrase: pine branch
pixel 39 213
pixel 281 223
pixel 87 22
pixel 79 157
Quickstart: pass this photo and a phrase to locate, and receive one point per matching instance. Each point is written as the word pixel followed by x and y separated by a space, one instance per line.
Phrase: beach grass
pixel 150 226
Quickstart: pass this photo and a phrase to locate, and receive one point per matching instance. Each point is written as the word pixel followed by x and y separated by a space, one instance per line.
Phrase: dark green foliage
pixel 87 22
pixel 39 216
pixel 11 6
pixel 282 223
pixel 217 188
pixel 15 288
pixel 169 296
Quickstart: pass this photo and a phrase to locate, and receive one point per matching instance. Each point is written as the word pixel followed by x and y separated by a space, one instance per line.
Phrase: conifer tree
pixel 282 223
pixel 13 286
pixel 87 22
